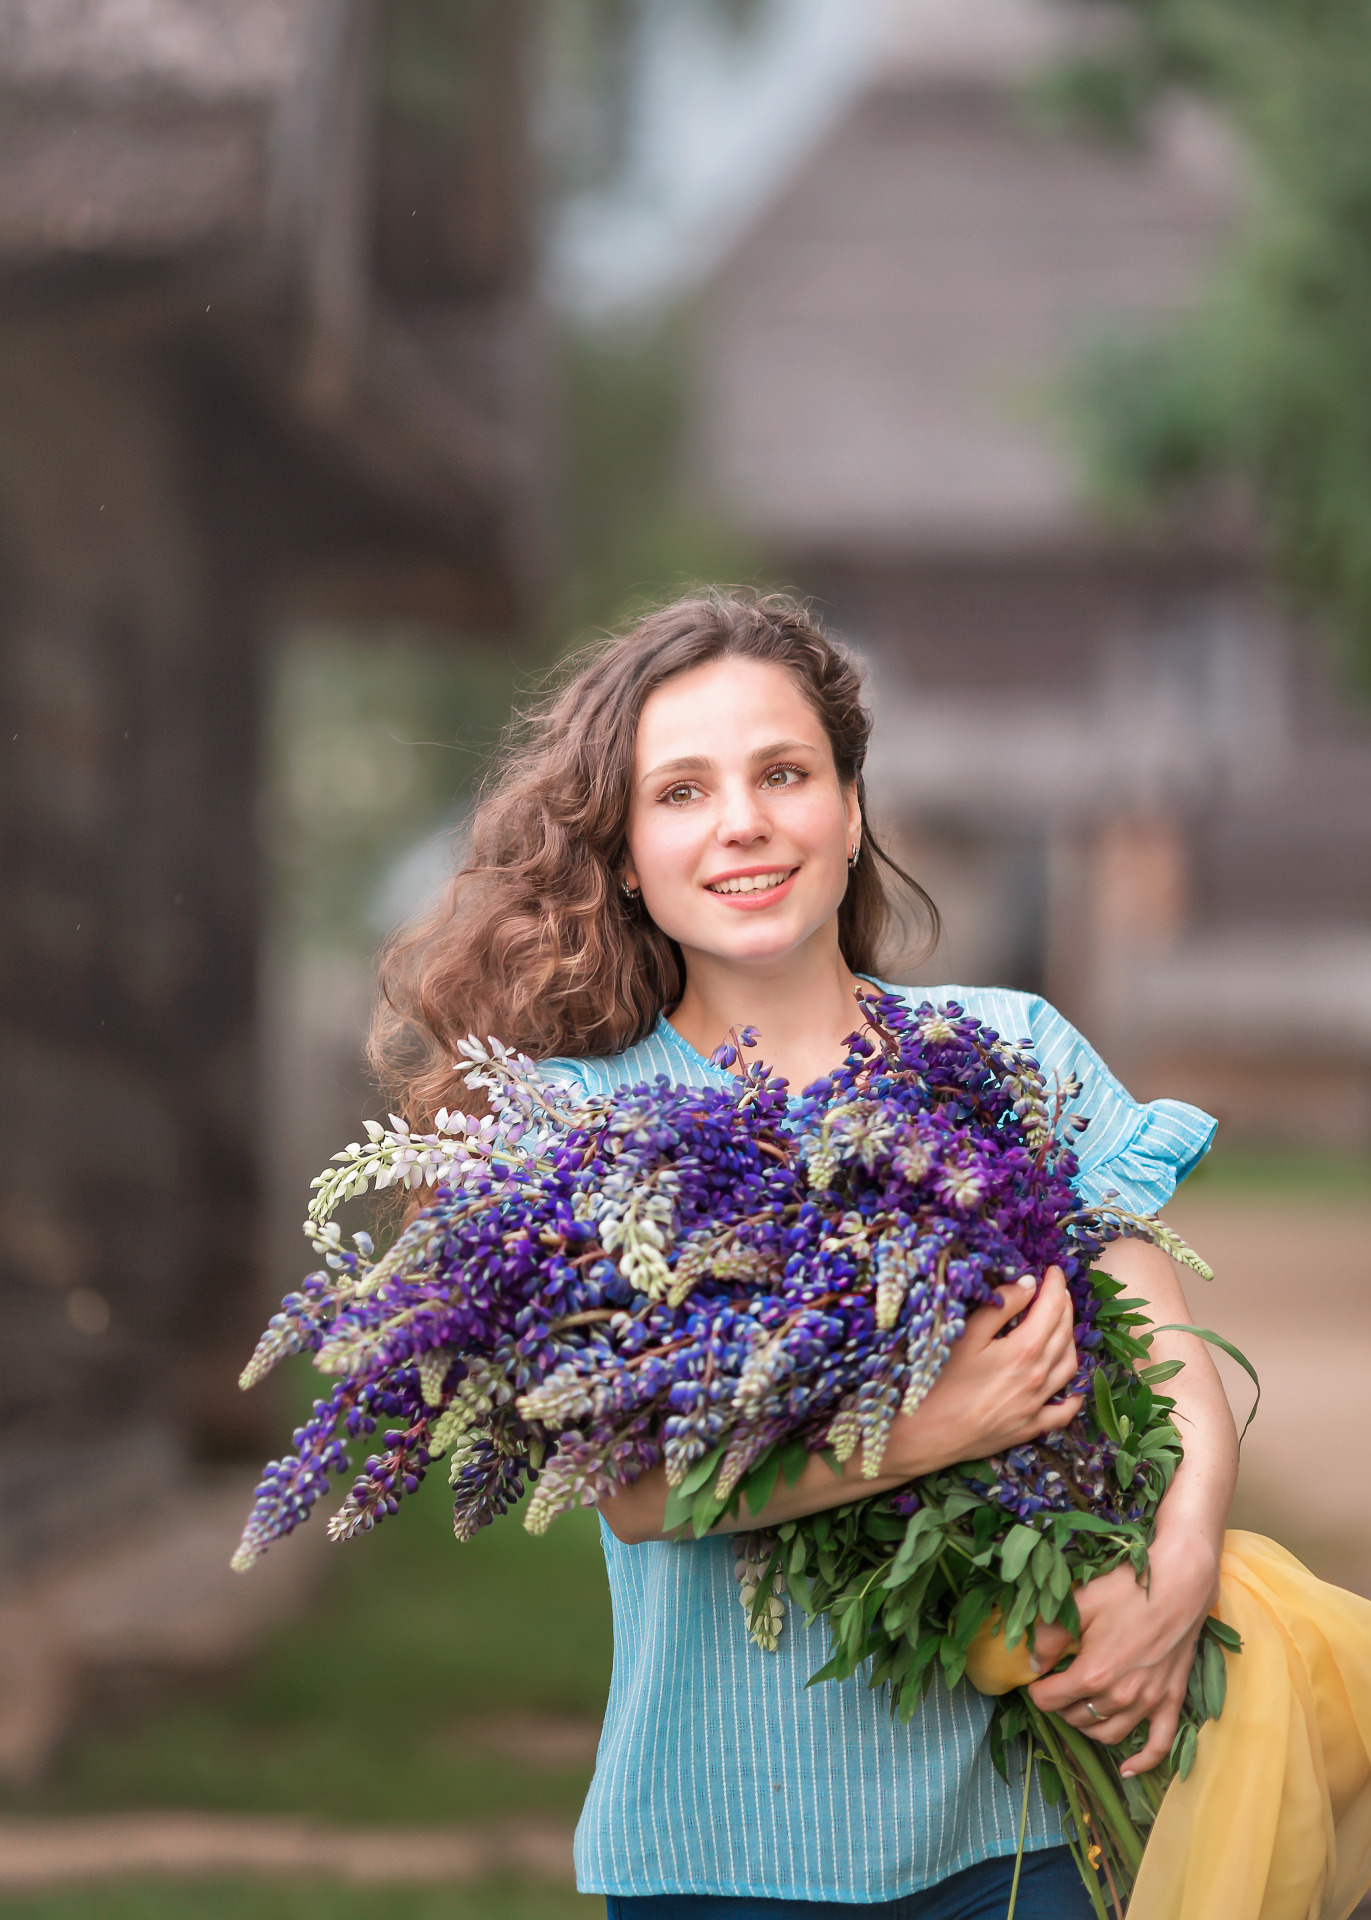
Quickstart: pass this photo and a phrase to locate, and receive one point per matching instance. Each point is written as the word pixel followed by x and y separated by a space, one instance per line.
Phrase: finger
pixel 1063 1368
pixel 1048 1316
pixel 986 1321
pixel 1060 1414
pixel 1116 1725
pixel 1060 1342
pixel 1089 1706
pixel 1050 1641
pixel 1161 1732
pixel 1067 1692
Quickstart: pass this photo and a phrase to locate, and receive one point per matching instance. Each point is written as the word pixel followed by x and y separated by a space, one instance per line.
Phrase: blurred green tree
pixel 1268 382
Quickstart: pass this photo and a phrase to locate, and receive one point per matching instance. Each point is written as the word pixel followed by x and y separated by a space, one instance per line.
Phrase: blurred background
pixel 357 357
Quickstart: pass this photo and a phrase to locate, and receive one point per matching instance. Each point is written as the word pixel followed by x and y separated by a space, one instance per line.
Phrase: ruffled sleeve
pixel 1136 1153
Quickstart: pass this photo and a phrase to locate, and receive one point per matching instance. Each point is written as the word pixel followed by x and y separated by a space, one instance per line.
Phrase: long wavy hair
pixel 533 940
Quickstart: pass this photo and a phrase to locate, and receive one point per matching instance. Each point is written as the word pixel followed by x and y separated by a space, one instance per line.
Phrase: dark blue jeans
pixel 1049 1889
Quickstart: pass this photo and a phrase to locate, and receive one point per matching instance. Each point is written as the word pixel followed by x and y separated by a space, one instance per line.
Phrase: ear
pixel 853 803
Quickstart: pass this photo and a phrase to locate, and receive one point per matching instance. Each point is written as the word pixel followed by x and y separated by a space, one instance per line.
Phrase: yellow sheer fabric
pixel 1274 1822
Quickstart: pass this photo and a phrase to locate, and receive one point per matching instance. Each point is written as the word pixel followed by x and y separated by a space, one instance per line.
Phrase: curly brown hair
pixel 533 940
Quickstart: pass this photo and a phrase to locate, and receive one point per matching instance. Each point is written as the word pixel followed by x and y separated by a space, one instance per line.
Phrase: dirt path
pixel 75 1848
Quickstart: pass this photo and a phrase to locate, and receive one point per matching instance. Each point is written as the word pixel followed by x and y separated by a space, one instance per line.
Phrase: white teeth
pixel 751 883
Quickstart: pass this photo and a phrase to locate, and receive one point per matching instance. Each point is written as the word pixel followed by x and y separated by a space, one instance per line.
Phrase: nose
pixel 743 820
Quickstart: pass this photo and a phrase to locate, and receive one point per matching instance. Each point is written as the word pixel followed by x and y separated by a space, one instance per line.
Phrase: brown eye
pixel 678 795
pixel 781 776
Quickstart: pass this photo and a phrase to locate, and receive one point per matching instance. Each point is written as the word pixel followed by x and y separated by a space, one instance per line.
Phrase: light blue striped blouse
pixel 718 1772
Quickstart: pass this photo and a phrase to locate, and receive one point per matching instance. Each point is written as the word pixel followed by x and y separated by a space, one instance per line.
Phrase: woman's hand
pixel 991 1393
pixel 1137 1642
pixel 1137 1645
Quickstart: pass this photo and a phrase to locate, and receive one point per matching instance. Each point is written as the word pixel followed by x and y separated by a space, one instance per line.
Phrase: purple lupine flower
pixel 674 1275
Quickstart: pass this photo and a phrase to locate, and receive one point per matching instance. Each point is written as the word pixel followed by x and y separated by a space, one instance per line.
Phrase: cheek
pixel 662 843
pixel 819 824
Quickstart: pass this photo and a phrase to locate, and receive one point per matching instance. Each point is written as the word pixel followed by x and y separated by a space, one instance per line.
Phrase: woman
pixel 680 848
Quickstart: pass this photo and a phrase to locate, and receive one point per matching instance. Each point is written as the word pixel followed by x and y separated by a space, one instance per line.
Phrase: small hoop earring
pixel 852 859
pixel 629 893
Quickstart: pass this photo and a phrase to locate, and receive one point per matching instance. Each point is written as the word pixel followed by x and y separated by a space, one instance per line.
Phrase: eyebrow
pixel 701 763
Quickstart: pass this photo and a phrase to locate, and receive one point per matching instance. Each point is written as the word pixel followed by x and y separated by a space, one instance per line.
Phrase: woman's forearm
pixel 638 1512
pixel 1194 1512
pixel 996 1391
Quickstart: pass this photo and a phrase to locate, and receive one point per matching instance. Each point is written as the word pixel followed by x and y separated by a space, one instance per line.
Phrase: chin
pixel 751 942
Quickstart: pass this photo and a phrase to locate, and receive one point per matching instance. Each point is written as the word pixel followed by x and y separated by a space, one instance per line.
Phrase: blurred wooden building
pixel 269 347
pixel 1125 779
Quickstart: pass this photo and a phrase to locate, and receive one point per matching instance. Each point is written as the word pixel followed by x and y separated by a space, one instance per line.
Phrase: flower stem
pixel 1023 1830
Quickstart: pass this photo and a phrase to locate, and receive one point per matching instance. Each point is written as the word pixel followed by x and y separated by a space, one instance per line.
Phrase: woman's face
pixel 738 829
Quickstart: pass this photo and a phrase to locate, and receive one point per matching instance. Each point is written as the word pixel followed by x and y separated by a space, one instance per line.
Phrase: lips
pixel 744 883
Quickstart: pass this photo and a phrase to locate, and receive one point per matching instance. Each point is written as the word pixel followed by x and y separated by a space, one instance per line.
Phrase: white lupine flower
pixel 432 1368
pixel 753 1554
pixel 564 1397
pixel 768 1362
pixel 844 1433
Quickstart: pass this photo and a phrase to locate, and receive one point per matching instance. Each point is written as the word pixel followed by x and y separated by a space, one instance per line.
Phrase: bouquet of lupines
pixel 723 1283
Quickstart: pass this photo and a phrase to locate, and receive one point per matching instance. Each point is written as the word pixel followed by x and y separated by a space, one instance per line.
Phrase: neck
pixel 802 1006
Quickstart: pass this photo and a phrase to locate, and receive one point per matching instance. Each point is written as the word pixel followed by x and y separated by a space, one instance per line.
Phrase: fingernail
pixel 1035 1663
pixel 1125 1773
pixel 1026 1280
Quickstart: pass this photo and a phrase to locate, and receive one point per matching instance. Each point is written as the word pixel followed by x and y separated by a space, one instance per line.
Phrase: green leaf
pixel 1186 1747
pixel 1125 1466
pixel 760 1484
pixel 794 1460
pixel 1139 1805
pixel 678 1508
pixel 834 1668
pixel 954 1661
pixel 1018 1545
pixel 849 1625
pixel 1094 1523
pixel 1024 1607
pixel 1059 1580
pixel 911 1600
pixel 1050 1781
pixel 1104 1406
pixel 972 1610
pixel 1040 1563
pixel 883 1666
pixel 1225 1346
pixel 1161 1370
pixel 707 1509
pixel 1225 1635
pixel 1141 1402
pixel 985 1524
pixel 1215 1676
pixel 923 1538
pixel 701 1471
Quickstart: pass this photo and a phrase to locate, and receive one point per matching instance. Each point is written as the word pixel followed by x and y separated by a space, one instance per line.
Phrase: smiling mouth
pixel 752 882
